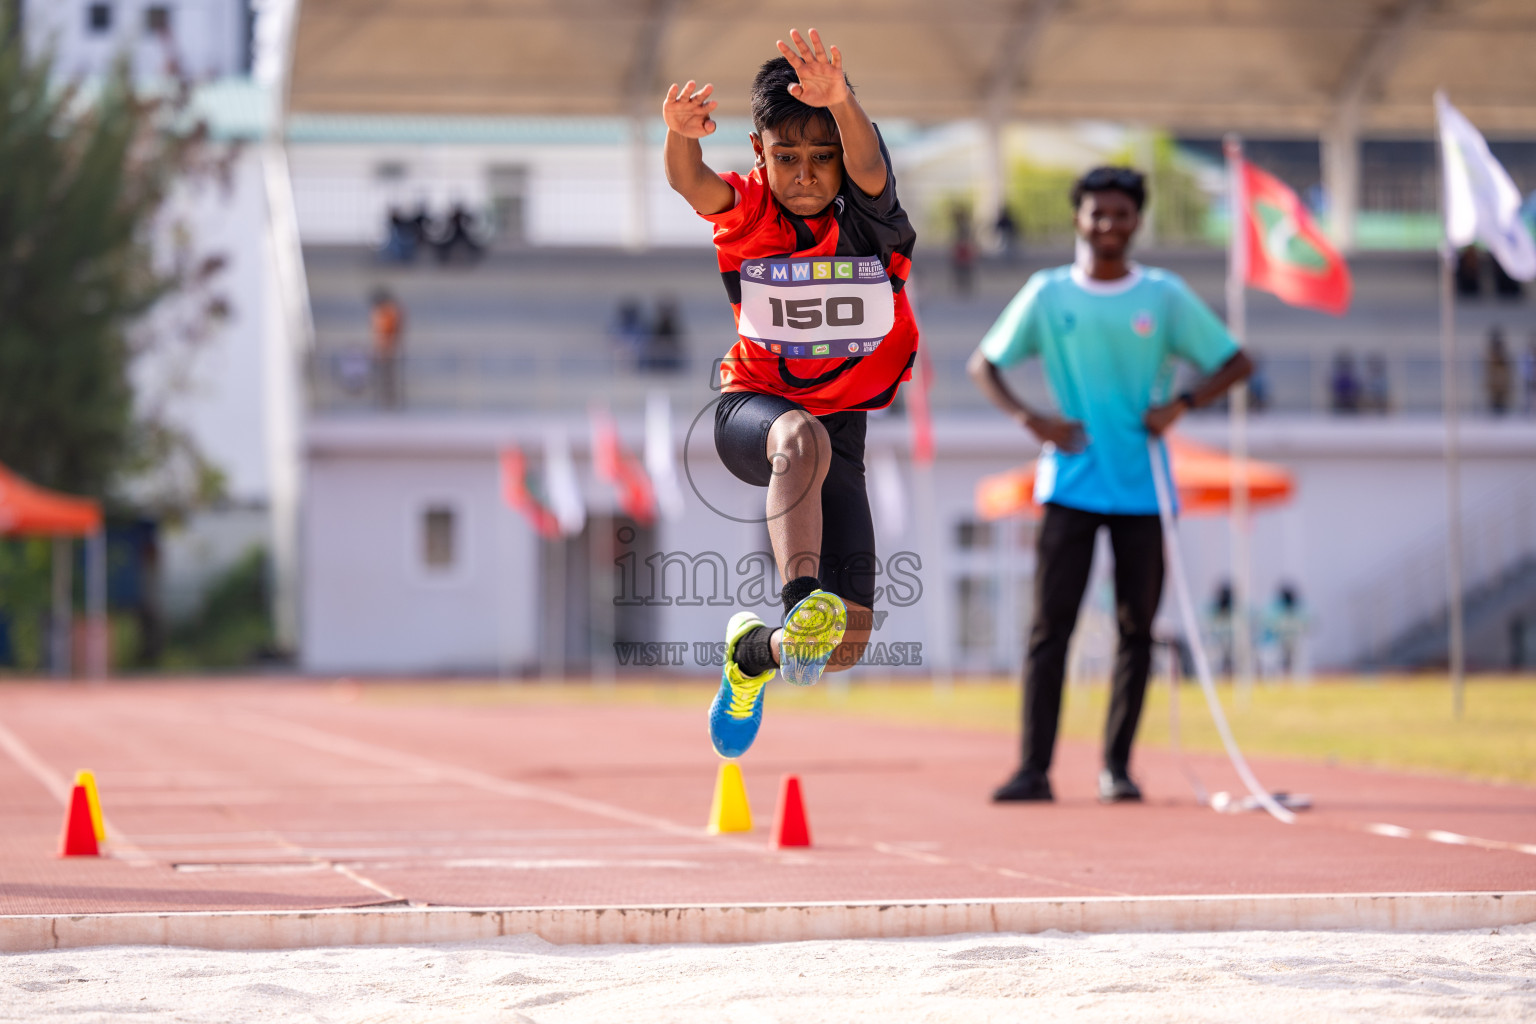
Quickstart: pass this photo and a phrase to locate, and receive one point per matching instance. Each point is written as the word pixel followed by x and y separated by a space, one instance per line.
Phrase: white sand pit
pixel 1232 976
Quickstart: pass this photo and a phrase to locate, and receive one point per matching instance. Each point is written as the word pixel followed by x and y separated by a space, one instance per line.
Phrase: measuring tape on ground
pixel 1162 474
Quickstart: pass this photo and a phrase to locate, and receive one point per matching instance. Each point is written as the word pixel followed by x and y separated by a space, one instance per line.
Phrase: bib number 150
pixel 806 314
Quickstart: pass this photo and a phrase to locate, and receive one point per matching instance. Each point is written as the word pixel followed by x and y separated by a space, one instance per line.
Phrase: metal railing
pixel 346 378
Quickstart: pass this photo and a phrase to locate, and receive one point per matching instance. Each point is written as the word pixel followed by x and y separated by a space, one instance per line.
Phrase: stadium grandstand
pixel 538 123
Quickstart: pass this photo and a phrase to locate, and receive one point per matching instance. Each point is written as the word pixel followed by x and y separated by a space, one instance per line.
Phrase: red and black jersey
pixel 854 225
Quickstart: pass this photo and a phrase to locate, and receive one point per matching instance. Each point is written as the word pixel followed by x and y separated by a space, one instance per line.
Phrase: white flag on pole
pixel 1482 204
pixel 565 498
pixel 890 504
pixel 660 458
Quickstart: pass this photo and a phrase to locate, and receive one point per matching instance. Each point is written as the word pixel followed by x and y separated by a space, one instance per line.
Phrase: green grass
pixel 1402 723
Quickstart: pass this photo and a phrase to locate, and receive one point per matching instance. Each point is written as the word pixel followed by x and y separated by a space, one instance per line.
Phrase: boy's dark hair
pixel 774 108
pixel 1111 179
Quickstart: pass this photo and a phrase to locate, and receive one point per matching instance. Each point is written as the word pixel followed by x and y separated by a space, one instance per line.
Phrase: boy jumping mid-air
pixel 815 250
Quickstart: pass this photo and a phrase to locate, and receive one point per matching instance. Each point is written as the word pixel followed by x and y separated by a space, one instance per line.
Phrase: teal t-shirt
pixel 1107 347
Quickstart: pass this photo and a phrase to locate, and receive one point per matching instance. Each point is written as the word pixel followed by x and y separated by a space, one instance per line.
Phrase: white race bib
pixel 816 308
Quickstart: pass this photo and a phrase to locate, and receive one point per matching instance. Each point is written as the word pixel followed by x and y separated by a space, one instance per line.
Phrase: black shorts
pixel 848 567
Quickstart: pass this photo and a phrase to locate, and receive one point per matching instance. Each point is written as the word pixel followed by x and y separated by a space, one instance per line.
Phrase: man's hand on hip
pixel 1160 418
pixel 1066 435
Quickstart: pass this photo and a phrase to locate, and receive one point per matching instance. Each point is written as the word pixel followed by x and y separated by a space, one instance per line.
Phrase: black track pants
pixel 1064 556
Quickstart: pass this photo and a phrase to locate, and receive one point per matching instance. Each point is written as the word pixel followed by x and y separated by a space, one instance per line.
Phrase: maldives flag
pixel 523 493
pixel 637 497
pixel 1286 253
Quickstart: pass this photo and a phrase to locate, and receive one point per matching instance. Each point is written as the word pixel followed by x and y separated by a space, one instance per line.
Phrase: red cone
pixel 79 836
pixel 789 825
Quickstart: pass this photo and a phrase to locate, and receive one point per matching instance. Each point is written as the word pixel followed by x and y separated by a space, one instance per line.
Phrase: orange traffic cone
pixel 88 780
pixel 79 836
pixel 789 825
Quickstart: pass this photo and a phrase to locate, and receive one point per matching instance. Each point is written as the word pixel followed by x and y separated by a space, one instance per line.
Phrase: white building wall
pixel 206 37
pixel 371 604
pixel 214 391
pixel 578 195
pixel 1368 520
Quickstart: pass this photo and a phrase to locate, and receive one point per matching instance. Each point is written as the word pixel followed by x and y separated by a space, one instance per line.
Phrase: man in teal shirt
pixel 1107 331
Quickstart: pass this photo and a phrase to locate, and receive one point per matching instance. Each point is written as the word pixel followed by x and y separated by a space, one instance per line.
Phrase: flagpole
pixel 1452 479
pixel 1237 325
pixel 936 654
pixel 1457 651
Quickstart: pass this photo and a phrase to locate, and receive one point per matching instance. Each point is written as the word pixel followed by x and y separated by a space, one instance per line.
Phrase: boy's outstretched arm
pixel 822 85
pixel 687 115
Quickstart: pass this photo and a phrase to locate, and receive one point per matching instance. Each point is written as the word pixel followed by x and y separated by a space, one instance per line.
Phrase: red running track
pixel 285 795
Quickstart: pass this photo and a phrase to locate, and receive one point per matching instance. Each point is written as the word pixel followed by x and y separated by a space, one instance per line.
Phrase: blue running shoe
pixel 738 707
pixel 812 631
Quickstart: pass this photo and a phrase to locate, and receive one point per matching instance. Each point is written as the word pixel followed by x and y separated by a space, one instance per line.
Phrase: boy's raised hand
pixel 687 112
pixel 821 72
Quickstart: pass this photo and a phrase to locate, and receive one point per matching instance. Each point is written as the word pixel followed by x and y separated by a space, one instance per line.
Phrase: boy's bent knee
pixel 800 437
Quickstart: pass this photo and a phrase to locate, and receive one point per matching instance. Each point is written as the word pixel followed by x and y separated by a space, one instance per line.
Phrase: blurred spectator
pixel 1469 276
pixel 1007 234
pixel 419 224
pixel 1345 384
pixel 1281 632
pixel 1504 286
pixel 1258 386
pixel 1528 376
pixel 457 235
pixel 399 240
pixel 1219 625
pixel 963 253
pixel 1498 374
pixel 1376 390
pixel 388 322
pixel 628 334
pixel 663 351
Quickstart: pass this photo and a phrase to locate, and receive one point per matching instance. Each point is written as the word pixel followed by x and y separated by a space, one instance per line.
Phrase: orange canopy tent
pixel 27 510
pixel 1202 475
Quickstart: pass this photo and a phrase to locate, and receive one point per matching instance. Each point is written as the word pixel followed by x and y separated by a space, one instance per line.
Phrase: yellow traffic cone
pixel 729 811
pixel 88 780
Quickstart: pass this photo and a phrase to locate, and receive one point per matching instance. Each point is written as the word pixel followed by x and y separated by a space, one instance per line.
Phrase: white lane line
pixel 358 855
pixel 472 836
pixel 469 863
pixel 556 863
pixel 368 883
pixel 121 847
pixel 34 766
pixel 252 868
pixel 1436 835
pixel 326 742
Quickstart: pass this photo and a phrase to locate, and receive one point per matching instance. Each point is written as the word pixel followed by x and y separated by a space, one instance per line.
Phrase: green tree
pixel 87 249
pixel 87 174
